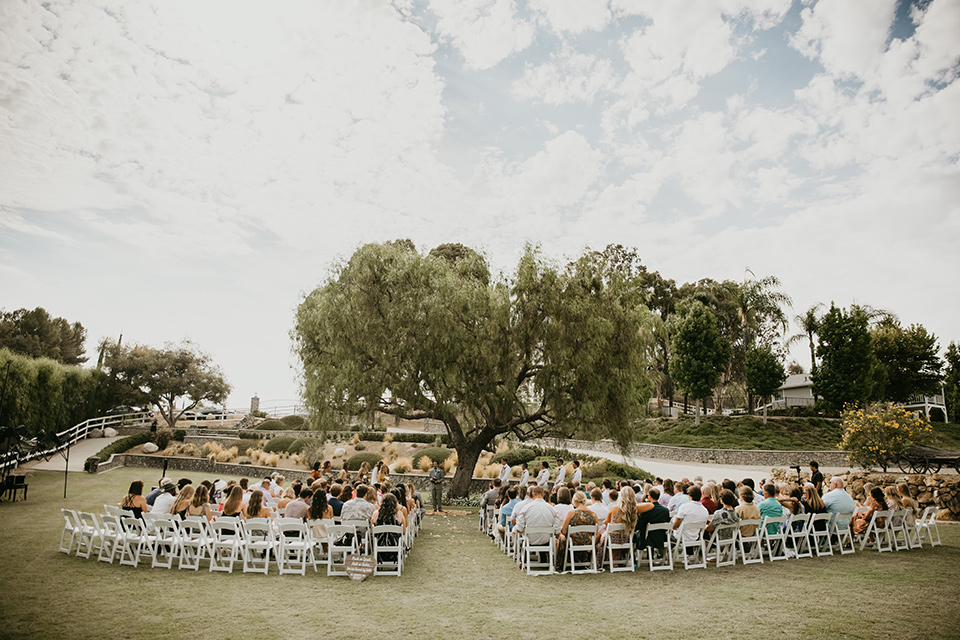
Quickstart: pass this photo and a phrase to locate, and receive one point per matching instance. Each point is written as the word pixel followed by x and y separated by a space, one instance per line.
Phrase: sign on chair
pixel 358 567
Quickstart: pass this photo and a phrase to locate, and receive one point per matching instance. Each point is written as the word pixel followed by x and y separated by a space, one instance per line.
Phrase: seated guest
pixel 770 507
pixel 650 511
pixel 747 510
pixel 359 508
pixel 255 507
pixel 596 505
pixel 507 510
pixel 711 498
pixel 893 503
pixel 288 496
pixel 668 490
pixel 490 497
pixel 333 499
pixel 681 496
pixel 156 491
pixel 134 500
pixel 182 502
pixel 690 512
pixel 319 510
pixel 165 500
pixel 911 505
pixel 607 487
pixel 525 497
pixel 875 502
pixel 299 507
pixel 579 515
pixel 726 514
pixel 812 503
pixel 315 473
pixel 233 505
pixel 387 514
pixel 563 506
pixel 625 513
pixel 200 505
pixel 538 513
pixel 837 500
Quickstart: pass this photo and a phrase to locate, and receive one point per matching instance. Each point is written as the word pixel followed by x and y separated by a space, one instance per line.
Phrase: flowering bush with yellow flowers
pixel 877 435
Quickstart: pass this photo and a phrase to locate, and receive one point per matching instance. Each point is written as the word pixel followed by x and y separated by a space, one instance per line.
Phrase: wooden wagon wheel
pixel 905 463
pixel 919 464
pixel 933 466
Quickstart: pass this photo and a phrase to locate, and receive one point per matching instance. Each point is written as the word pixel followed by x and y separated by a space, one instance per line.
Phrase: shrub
pixel 247 435
pixel 123 444
pixel 271 425
pixel 514 457
pixel 359 447
pixel 876 435
pixel 278 444
pixel 434 454
pixel 355 440
pixel 388 437
pixel 270 459
pixel 297 445
pixel 402 465
pixel 162 438
pixel 294 422
pixel 189 450
pixel 422 438
pixel 312 452
pixel 358 459
pixel 424 464
pixel 179 435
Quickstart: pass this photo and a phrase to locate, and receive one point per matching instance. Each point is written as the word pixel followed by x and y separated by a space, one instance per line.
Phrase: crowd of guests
pixel 325 498
pixel 636 505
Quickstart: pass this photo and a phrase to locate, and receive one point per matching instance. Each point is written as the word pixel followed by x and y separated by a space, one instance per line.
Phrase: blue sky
pixel 176 170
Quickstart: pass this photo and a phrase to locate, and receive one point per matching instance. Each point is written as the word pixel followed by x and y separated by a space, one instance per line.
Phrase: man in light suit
pixel 544 476
pixel 504 474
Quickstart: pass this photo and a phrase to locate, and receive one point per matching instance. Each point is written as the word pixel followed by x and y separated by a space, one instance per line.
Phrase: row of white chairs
pixel 289 543
pixel 752 541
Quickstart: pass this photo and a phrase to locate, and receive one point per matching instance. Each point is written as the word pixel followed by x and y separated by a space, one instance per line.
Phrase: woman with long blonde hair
pixel 184 498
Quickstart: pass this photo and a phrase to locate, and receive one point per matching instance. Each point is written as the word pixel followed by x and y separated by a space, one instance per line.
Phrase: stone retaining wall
pixel 733 457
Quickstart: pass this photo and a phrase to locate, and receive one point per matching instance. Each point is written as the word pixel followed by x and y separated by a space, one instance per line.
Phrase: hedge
pixel 358 459
pixel 271 425
pixel 425 438
pixel 279 444
pixel 514 457
pixel 294 422
pixel 436 454
pixel 123 444
pixel 297 445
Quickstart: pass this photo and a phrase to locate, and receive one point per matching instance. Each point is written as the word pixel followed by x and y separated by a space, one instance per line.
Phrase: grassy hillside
pixel 749 432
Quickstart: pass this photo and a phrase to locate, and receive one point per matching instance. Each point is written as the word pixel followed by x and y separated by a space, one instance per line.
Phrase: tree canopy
pixel 546 351
pixel 908 363
pixel 34 333
pixel 765 374
pixel 164 377
pixel 700 352
pixel 844 375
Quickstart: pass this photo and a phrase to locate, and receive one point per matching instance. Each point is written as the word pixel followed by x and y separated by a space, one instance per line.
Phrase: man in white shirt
pixel 679 498
pixel 837 499
pixel 525 499
pixel 544 476
pixel 504 475
pixel 690 512
pixel 524 475
pixel 576 473
pixel 165 500
pixel 561 474
pixel 538 514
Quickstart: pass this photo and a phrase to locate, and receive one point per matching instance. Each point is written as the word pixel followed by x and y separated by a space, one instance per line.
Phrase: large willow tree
pixel 546 351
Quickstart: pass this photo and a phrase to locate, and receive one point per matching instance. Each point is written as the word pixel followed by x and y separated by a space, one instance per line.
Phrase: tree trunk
pixel 765 412
pixel 696 413
pixel 750 406
pixel 467 455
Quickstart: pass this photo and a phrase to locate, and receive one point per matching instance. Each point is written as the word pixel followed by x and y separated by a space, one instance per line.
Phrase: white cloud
pixel 847 36
pixel 574 16
pixel 483 31
pixel 568 77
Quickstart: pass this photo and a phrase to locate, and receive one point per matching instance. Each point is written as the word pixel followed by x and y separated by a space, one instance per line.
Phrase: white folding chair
pixel 842 534
pixel 71 530
pixel 166 543
pixel 387 549
pixel 546 545
pixel 660 558
pixel 880 531
pixel 363 534
pixel 224 545
pixel 628 562
pixel 293 551
pixel 318 541
pixel 589 547
pixel 193 542
pixel 820 533
pixel 774 537
pixel 722 545
pixel 90 536
pixel 799 529
pixel 692 549
pixel 927 526
pixel 751 545
pixel 898 527
pixel 111 538
pixel 341 542
pixel 111 510
pixel 136 541
pixel 259 543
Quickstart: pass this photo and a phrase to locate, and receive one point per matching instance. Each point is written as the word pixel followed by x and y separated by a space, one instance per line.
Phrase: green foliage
pixel 179 435
pixel 298 445
pixel 312 452
pixel 163 377
pixel 293 422
pixel 907 361
pixel 844 375
pixel 513 457
pixel 271 425
pixel 951 383
pixel 700 353
pixel 279 444
pixel 123 444
pixel 43 394
pixel 613 470
pixel 741 432
pixel 33 333
pixel 162 438
pixel 248 435
pixel 879 434
pixel 432 336
pixel 358 459
pixel 435 454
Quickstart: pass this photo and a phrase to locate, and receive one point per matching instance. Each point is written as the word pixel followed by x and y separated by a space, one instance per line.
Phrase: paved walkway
pixel 78 454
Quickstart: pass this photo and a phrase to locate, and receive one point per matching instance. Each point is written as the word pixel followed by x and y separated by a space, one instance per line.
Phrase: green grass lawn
pixel 455 585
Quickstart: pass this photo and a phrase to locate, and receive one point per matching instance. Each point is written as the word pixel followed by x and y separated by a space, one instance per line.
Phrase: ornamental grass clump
pixel 876 436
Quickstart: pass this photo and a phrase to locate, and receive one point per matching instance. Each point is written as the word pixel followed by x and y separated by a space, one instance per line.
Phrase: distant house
pixel 797 391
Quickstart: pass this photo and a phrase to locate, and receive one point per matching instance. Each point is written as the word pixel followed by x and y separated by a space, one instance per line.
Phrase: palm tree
pixel 760 306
